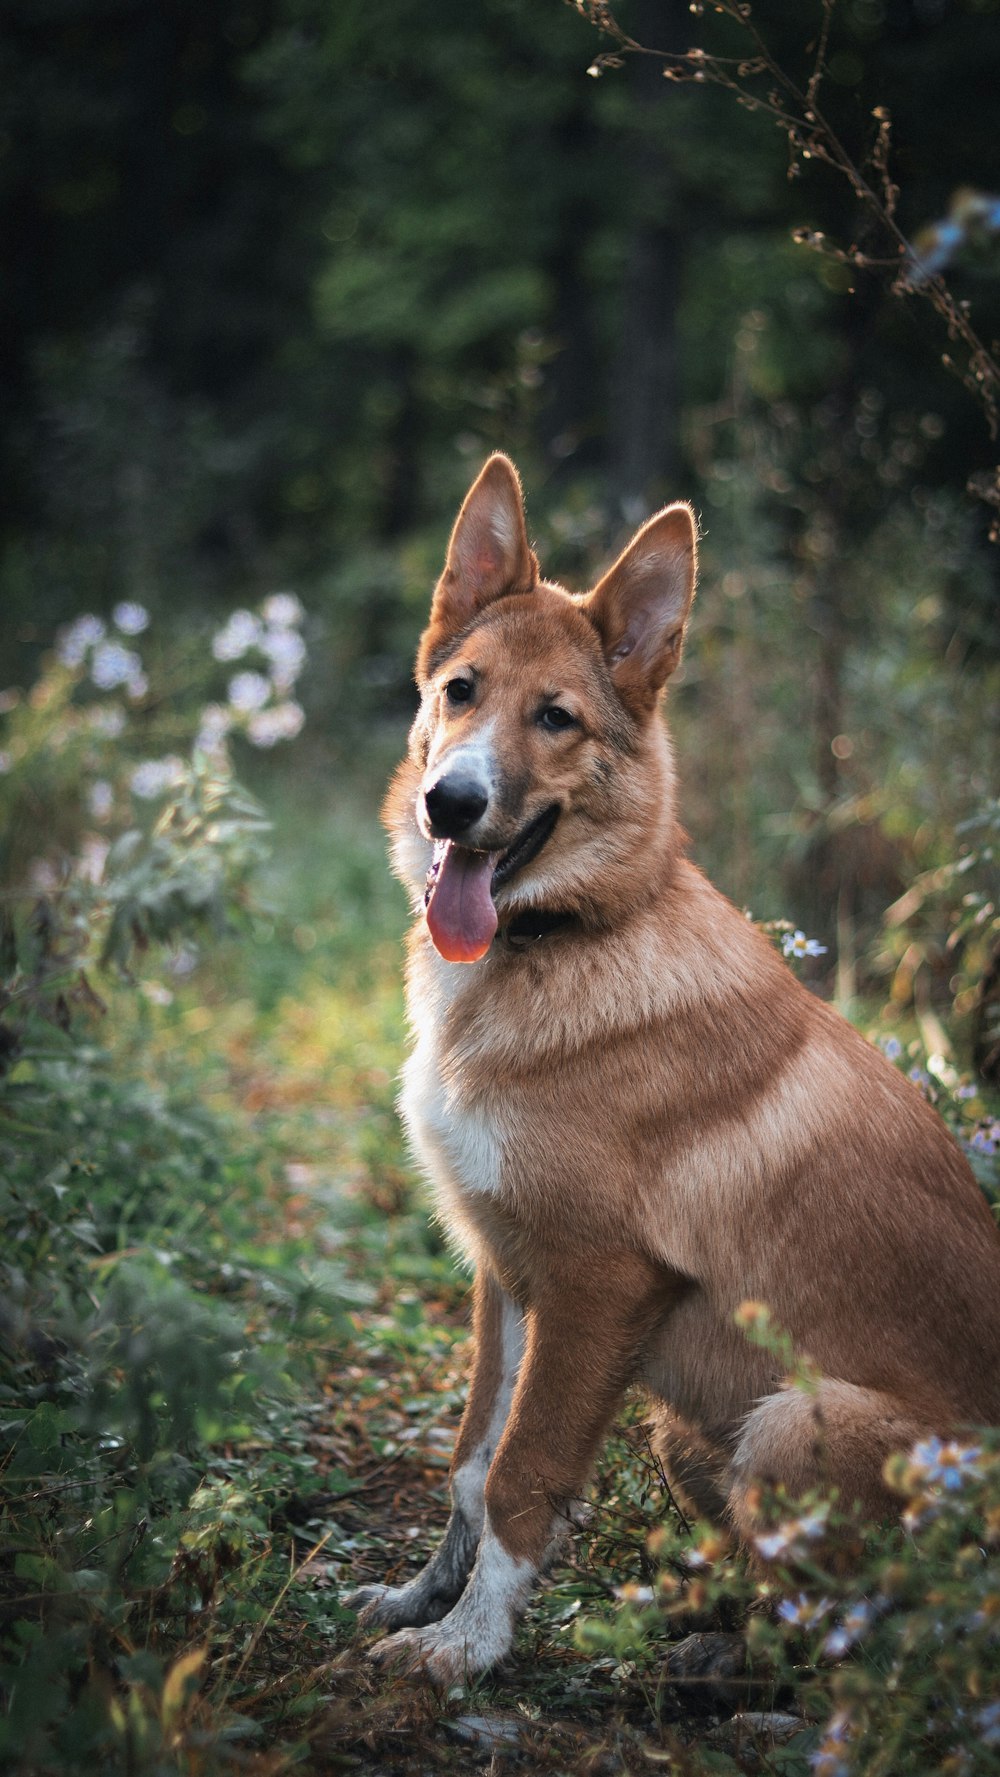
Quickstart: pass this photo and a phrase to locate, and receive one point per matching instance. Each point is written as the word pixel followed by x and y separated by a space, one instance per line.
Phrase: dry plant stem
pixel 812 137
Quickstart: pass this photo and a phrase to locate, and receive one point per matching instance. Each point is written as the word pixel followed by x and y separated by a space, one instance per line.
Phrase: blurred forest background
pixel 277 275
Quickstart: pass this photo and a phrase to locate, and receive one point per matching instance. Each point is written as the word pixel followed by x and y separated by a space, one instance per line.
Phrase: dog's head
pixel 537 771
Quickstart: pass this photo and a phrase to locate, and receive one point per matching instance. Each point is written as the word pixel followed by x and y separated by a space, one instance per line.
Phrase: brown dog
pixel 634 1117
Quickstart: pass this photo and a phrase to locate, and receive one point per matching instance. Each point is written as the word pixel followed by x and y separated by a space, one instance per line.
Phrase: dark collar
pixel 528 927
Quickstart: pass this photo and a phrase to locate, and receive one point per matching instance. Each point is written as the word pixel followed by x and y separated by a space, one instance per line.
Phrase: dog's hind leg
pixel 696 1469
pixel 838 1437
pixel 499 1343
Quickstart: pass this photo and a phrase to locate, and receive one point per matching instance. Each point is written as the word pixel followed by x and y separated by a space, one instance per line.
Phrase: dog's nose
pixel 454 804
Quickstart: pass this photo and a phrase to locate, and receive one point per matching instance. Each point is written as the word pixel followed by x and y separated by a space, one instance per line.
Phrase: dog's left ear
pixel 641 606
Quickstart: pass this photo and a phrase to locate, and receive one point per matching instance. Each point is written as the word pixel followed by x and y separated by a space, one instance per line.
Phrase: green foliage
pixel 140 1323
pixel 888 1657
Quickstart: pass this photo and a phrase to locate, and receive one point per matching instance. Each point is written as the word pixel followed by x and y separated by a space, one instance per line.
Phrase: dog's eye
pixel 458 690
pixel 555 717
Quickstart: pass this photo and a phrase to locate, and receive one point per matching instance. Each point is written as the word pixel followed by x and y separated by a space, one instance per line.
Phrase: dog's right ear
pixel 488 556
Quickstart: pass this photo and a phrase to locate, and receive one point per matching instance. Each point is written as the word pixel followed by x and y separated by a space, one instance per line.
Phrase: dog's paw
pixel 425 1653
pixel 397 1607
pixel 469 1640
pixel 366 1600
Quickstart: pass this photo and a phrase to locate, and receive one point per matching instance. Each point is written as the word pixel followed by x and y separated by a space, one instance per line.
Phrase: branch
pixel 811 136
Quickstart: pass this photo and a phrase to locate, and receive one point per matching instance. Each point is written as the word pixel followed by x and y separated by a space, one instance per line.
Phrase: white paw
pixel 442 1654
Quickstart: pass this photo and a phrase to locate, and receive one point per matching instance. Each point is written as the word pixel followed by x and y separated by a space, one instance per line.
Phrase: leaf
pixel 180 1683
pixel 44 1427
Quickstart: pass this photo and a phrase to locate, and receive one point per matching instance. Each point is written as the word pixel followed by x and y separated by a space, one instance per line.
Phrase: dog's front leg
pixel 580 1354
pixel 499 1343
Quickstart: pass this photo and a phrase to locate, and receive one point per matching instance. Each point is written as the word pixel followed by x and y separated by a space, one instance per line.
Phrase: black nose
pixel 454 804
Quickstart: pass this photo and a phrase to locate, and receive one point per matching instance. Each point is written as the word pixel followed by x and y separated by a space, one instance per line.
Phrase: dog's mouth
pixel 458 895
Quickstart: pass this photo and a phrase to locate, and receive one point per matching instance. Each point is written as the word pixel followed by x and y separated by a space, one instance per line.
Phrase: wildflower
pixel 828 1760
pixel 634 1594
pixel 154 776
pixel 100 799
pixel 986 1139
pixel 156 993
pixel 130 618
pixel 286 652
pixel 966 1090
pixel 6 761
pixel 92 858
pixel 112 665
pixel 107 719
pixel 216 721
pixel 788 1537
pixel 74 643
pixel 803 1612
pixel 281 723
pixel 987 1722
pixel 945 1465
pixel 797 944
pixel 248 691
pixel 849 1630
pixel 282 609
pixel 892 1048
pixel 184 961
pixel 241 633
pixel 136 685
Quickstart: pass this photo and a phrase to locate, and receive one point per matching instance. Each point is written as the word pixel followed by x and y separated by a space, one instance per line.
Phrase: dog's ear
pixel 641 606
pixel 488 555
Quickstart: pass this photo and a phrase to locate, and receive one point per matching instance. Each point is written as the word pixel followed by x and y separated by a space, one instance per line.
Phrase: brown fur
pixel 644 1119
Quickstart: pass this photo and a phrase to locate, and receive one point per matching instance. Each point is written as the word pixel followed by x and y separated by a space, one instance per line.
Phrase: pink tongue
pixel 461 917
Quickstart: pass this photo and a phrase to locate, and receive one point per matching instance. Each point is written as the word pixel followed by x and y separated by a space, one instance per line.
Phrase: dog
pixel 634 1116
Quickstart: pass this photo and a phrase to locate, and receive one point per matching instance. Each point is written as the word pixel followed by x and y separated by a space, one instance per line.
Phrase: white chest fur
pixel 459 1144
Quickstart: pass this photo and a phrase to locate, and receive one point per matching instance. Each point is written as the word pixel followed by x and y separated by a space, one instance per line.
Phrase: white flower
pixel 633 1593
pixel 281 723
pixel 828 1760
pixel 286 652
pixel 100 799
pixel 91 861
pixel 216 721
pixel 113 665
pixel 107 719
pixel 241 633
pixel 137 685
pixel 248 691
pixel 6 761
pixel 797 944
pixel 154 776
pixel 156 993
pixel 852 1627
pixel 804 1612
pixel 130 618
pixel 184 962
pixel 74 642
pixel 946 1465
pixel 988 1723
pixel 283 609
pixel 790 1535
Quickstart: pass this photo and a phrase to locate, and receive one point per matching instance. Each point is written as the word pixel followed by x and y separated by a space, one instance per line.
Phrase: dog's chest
pixel 458 1140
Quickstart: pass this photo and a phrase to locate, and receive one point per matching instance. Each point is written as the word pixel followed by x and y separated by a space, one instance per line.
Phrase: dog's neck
pixel 532 925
